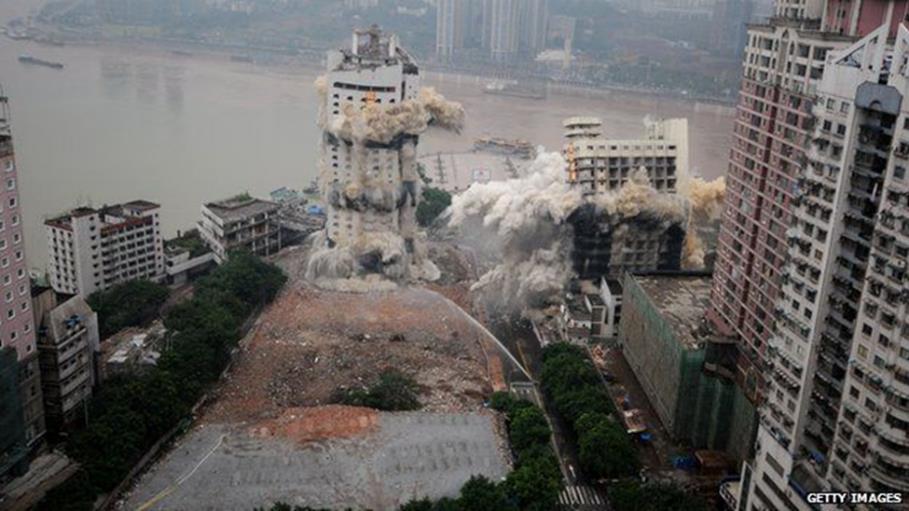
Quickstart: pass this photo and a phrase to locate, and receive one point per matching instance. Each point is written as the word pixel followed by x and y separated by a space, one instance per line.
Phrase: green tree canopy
pixel 132 303
pixel 435 202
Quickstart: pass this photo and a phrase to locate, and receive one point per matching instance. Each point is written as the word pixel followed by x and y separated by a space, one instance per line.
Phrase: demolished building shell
pixel 372 115
pixel 608 244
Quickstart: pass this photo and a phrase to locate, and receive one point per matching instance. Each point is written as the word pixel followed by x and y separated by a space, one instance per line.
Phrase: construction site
pixel 272 433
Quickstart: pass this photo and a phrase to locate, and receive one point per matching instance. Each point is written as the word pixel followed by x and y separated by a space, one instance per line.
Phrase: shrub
pixel 394 391
pixel 434 203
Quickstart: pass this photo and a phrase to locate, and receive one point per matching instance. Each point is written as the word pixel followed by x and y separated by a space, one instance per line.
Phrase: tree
pixel 481 494
pixel 508 404
pixel 528 428
pixel 132 303
pixel 604 449
pixel 423 504
pixel 434 203
pixel 535 484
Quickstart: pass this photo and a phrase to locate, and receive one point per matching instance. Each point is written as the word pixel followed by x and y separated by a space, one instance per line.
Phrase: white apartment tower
pixel 598 165
pixel 369 179
pixel 93 249
pixel 836 414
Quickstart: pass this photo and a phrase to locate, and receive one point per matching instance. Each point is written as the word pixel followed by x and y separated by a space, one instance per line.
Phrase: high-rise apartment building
pixel 782 64
pixel 451 23
pixel 17 330
pixel 836 417
pixel 370 180
pixel 93 249
pixel 514 27
pixel 797 232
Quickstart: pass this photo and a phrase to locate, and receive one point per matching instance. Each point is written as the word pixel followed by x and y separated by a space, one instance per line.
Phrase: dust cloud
pixel 525 223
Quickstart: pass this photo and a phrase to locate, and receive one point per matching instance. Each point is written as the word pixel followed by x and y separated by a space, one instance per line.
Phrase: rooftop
pixel 239 207
pixel 125 210
pixel 614 286
pixel 681 300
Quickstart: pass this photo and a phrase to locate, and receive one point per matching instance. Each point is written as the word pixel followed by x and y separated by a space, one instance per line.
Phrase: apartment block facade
pixel 67 344
pixel 783 62
pixel 599 165
pixel 837 410
pixel 93 249
pixel 17 332
pixel 240 223
pixel 609 245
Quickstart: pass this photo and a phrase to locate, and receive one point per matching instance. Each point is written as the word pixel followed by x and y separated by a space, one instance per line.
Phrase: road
pixel 579 492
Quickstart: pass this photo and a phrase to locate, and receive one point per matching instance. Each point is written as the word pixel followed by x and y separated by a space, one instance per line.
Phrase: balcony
pixel 890 473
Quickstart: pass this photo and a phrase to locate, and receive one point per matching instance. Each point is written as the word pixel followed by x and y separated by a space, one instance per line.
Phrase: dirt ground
pixel 310 343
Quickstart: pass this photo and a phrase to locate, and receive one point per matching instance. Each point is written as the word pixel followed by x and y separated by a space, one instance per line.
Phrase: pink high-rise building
pixel 796 273
pixel 783 63
pixel 17 330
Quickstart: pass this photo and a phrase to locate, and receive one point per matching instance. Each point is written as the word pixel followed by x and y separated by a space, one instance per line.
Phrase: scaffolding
pixel 683 377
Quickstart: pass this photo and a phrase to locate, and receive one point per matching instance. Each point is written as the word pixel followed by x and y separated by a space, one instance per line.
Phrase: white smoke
pixel 525 220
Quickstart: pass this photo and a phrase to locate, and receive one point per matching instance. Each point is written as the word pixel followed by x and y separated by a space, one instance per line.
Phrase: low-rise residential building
pixel 67 343
pixel 93 249
pixel 241 223
pixel 685 370
pixel 132 351
pixel 186 257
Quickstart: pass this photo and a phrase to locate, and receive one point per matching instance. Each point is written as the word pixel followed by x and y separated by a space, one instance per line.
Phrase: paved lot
pixel 219 467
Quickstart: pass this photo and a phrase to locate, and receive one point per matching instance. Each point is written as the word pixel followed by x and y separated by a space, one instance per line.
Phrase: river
pixel 120 123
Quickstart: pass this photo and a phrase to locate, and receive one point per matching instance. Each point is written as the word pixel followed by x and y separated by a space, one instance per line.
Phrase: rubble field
pixel 310 343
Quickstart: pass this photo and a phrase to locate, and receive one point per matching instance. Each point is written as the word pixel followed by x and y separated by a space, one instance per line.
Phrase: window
pixel 15 219
pixel 9 166
pixel 12 202
pixel 9 296
pixel 18 255
pixel 10 313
